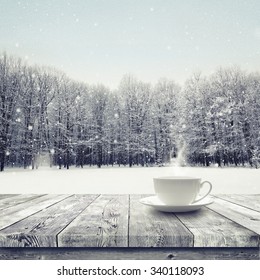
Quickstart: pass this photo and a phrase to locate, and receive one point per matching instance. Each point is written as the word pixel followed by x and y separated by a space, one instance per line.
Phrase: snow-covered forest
pixel 212 120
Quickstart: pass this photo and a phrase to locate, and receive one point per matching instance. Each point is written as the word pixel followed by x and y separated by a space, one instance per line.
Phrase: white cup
pixel 179 190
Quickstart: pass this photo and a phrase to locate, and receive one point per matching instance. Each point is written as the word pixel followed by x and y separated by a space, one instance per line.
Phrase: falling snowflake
pixel 30 127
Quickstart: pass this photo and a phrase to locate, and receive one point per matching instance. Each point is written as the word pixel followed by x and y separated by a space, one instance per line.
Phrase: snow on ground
pixel 122 179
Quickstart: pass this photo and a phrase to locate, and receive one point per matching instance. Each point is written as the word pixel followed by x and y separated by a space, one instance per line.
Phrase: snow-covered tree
pixel 10 88
pixel 165 120
pixel 99 100
pixel 136 100
pixel 212 120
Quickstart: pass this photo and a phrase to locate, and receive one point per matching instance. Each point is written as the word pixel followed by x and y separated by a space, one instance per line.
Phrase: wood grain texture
pixel 129 254
pixel 104 223
pixel 2 196
pixel 41 229
pixel 250 201
pixel 12 201
pixel 213 230
pixel 244 216
pixel 121 221
pixel 21 211
pixel 151 228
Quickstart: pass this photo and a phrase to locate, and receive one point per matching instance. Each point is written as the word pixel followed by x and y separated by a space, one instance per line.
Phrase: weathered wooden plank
pixel 103 224
pixel 213 230
pixel 129 253
pixel 41 229
pixel 249 201
pixel 151 228
pixel 246 217
pixel 12 201
pixel 2 196
pixel 18 212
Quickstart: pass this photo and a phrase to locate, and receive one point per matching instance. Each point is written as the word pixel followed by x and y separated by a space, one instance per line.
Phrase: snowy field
pixel 122 179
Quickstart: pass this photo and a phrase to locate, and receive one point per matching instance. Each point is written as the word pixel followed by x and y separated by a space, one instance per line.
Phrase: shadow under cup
pixel 180 190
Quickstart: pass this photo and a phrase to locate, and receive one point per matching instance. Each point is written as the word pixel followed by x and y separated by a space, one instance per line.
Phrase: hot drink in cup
pixel 180 190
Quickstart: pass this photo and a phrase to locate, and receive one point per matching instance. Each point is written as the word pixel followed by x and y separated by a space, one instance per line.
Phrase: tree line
pixel 45 114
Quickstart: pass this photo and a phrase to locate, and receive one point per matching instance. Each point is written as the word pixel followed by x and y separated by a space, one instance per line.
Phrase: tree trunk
pixel 2 160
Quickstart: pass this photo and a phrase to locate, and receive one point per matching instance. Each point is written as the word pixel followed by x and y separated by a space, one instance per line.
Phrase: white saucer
pixel 153 201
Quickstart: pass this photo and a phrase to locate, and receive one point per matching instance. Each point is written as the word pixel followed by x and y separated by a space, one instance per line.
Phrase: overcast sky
pixel 100 41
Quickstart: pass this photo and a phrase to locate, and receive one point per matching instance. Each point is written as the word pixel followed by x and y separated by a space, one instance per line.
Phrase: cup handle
pixel 210 188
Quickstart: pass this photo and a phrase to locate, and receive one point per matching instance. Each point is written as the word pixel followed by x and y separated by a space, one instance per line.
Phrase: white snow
pixel 122 179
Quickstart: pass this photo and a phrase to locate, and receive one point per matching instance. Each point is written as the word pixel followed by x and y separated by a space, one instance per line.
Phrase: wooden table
pixel 86 226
